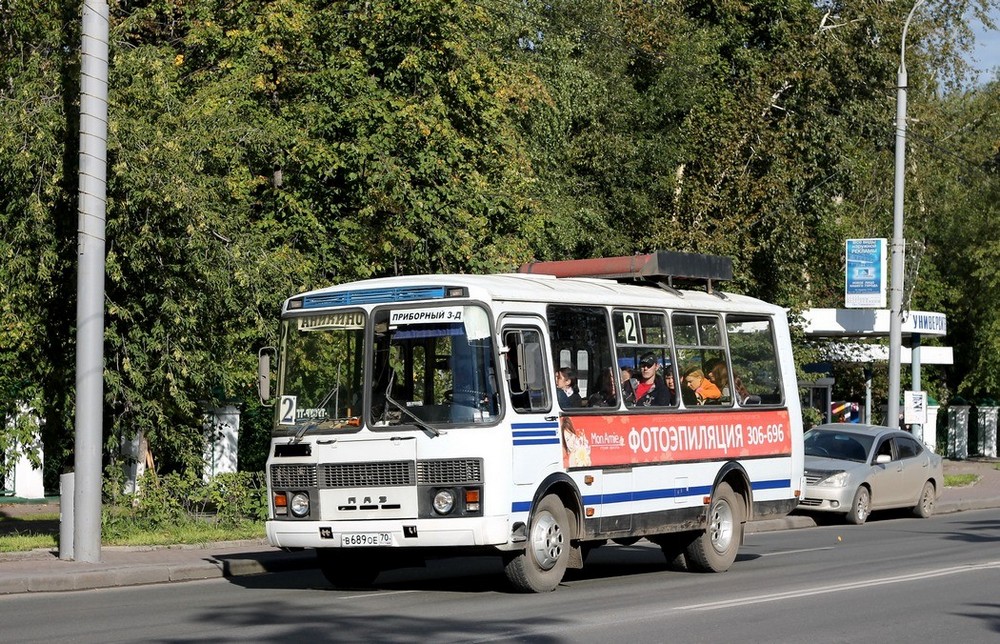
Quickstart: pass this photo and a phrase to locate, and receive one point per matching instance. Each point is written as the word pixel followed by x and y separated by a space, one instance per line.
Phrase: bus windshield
pixel 322 371
pixel 433 365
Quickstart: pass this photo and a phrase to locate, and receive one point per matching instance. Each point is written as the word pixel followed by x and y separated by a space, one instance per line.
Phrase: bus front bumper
pixel 416 533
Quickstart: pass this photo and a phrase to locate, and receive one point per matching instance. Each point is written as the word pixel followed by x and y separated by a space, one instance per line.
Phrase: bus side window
pixel 755 371
pixel 701 356
pixel 526 370
pixel 640 334
pixel 581 340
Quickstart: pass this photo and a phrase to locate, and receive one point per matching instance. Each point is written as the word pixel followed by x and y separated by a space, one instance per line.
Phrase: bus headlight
pixel 444 501
pixel 300 504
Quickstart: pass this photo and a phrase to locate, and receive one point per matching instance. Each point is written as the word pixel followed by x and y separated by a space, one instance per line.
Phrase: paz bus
pixel 418 417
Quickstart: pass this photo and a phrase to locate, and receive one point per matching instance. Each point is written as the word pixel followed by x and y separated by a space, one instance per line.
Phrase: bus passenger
pixel 705 391
pixel 668 379
pixel 648 390
pixel 606 394
pixel 566 392
pixel 718 373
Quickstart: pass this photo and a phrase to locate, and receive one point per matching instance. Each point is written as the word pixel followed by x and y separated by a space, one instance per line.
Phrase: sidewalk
pixel 43 571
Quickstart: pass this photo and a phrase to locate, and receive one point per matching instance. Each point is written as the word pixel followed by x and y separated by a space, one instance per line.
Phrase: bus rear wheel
pixel 673 546
pixel 541 565
pixel 715 549
pixel 344 571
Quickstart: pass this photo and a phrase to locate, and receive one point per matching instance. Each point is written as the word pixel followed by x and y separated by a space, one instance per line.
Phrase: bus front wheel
pixel 715 549
pixel 541 565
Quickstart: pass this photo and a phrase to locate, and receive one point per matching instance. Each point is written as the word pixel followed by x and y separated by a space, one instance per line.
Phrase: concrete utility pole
pixel 90 282
pixel 898 244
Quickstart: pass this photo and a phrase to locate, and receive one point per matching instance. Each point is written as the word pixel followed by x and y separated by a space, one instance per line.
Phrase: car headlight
pixel 834 480
pixel 444 501
pixel 300 504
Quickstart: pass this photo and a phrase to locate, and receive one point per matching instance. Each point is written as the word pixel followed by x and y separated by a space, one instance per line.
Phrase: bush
pixel 239 497
pixel 176 499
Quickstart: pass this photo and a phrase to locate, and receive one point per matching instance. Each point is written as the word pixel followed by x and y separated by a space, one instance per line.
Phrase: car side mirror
pixel 882 459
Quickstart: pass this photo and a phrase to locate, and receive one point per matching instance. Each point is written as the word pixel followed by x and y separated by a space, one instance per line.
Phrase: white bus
pixel 419 416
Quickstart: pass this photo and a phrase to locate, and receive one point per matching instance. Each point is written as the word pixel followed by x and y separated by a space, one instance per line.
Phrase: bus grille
pixel 450 472
pixel 380 474
pixel 293 476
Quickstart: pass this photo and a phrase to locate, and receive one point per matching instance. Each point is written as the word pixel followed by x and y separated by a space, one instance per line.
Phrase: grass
pixel 28 533
pixel 36 531
pixel 28 541
pixel 960 480
pixel 195 532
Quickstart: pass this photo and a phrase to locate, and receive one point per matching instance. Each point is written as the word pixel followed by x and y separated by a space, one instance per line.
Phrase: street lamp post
pixel 898 244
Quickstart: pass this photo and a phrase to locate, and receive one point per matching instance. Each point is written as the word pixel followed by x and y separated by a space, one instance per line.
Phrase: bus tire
pixel 346 570
pixel 541 565
pixel 673 545
pixel 714 550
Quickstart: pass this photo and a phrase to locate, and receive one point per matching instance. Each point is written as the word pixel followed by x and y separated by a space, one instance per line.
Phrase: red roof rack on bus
pixel 662 267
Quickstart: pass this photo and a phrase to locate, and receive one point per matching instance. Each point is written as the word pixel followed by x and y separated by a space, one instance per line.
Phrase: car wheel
pixel 861 506
pixel 715 549
pixel 925 506
pixel 541 565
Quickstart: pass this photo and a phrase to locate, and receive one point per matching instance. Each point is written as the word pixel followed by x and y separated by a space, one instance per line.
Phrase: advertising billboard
pixel 865 279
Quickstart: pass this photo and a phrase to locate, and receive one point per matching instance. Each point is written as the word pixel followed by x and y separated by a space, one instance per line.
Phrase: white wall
pixel 222 426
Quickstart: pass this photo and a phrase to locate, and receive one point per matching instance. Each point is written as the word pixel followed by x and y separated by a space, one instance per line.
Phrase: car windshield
pixel 432 366
pixel 320 385
pixel 844 446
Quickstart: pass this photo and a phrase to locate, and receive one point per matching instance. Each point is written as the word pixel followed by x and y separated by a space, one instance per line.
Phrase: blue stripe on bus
pixel 537 441
pixel 645 495
pixel 542 433
pixel 373 296
pixel 545 425
pixel 771 485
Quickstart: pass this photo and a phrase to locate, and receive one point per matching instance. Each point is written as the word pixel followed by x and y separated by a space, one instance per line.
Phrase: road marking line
pixel 794 552
pixel 378 595
pixel 941 572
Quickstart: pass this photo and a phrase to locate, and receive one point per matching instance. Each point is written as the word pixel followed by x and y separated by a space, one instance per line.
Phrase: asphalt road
pixel 892 580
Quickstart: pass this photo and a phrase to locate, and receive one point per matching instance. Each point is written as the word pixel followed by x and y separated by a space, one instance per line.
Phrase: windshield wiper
pixel 337 423
pixel 402 408
pixel 335 389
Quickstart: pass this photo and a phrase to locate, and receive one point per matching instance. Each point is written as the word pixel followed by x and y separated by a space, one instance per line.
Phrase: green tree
pixel 37 157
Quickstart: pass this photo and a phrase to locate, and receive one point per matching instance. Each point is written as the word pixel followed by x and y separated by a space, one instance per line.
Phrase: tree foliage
pixel 258 149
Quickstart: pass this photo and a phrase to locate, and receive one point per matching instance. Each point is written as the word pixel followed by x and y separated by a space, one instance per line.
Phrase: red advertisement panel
pixel 596 441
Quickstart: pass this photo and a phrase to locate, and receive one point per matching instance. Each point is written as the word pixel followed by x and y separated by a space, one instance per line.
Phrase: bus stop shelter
pixel 850 326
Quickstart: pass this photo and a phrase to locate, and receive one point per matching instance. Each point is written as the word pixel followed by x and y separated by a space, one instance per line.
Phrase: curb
pixel 132 574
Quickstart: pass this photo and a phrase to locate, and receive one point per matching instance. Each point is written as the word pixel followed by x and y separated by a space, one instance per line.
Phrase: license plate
pixel 362 539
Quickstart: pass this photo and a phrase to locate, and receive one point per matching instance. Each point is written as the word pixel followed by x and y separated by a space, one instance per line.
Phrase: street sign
pixel 865 278
pixel 914 407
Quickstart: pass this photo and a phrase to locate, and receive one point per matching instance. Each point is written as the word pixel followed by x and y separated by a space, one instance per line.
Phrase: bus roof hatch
pixel 668 268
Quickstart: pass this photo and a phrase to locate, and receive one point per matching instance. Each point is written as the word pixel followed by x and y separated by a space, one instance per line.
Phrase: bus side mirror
pixel 264 374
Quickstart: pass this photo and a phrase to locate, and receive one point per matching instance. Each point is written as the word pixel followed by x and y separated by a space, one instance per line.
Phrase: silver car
pixel 854 469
